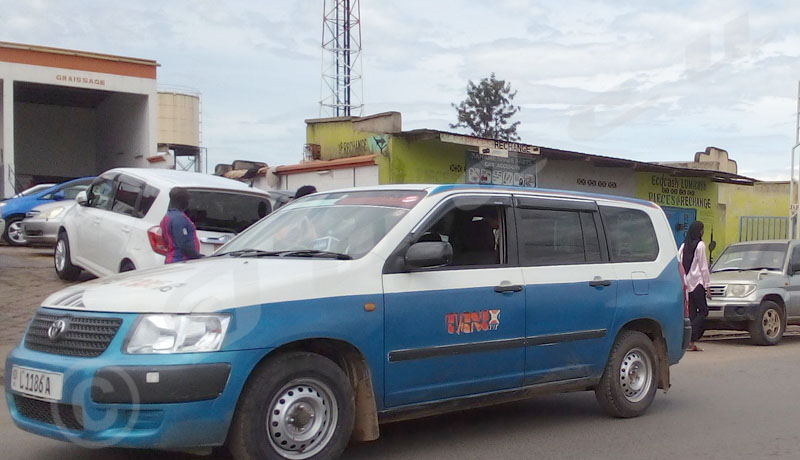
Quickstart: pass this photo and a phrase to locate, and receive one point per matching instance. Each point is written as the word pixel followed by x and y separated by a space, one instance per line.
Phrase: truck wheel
pixel 295 406
pixel 62 261
pixel 769 327
pixel 629 382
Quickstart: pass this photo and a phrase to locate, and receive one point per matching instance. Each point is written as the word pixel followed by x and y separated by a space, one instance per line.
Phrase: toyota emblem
pixel 56 329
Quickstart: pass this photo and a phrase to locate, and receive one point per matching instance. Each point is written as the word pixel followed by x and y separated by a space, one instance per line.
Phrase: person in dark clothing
pixel 305 190
pixel 694 259
pixel 178 231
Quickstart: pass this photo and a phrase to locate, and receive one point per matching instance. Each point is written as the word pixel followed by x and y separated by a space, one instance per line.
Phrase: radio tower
pixel 342 87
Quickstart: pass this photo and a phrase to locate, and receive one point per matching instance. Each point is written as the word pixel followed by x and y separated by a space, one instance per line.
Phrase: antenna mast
pixel 342 85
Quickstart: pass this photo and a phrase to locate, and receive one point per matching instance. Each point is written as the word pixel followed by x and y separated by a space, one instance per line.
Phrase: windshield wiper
pixel 728 270
pixel 761 268
pixel 249 253
pixel 315 253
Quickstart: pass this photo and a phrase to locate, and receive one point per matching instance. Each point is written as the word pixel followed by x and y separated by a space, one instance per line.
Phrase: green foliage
pixel 488 109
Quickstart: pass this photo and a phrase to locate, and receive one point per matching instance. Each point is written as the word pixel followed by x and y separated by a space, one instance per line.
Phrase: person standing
pixel 179 232
pixel 304 190
pixel 694 259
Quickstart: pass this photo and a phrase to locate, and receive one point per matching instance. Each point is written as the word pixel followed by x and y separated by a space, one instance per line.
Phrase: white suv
pixel 115 228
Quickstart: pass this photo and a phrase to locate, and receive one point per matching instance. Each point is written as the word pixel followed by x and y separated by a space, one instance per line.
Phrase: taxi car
pixel 347 309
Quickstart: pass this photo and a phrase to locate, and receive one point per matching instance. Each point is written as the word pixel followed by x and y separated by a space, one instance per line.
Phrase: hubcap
pixel 771 322
pixel 636 375
pixel 15 232
pixel 302 419
pixel 60 255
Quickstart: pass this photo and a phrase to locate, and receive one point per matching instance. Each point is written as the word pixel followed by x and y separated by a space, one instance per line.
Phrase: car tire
pixel 126 266
pixel 630 379
pixel 62 260
pixel 295 406
pixel 768 329
pixel 13 233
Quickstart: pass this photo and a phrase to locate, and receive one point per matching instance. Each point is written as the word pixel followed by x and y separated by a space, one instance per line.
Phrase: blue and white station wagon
pixel 348 309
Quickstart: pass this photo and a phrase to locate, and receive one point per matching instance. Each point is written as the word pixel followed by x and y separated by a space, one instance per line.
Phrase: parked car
pixel 41 224
pixel 13 211
pixel 115 227
pixel 755 287
pixel 346 309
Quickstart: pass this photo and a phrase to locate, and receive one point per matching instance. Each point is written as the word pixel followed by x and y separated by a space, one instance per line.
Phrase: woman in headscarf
pixel 694 259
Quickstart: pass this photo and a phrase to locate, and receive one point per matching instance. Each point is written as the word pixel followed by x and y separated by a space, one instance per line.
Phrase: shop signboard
pixel 515 169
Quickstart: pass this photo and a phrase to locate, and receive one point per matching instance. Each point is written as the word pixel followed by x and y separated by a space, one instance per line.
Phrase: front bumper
pixel 189 404
pixel 732 311
pixel 39 231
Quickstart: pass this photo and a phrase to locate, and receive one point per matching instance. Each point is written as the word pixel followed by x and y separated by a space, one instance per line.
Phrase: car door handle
pixel 126 229
pixel 508 288
pixel 598 282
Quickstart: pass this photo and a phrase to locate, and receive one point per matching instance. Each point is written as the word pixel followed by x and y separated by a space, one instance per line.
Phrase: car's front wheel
pixel 13 233
pixel 296 406
pixel 63 260
pixel 769 325
pixel 630 380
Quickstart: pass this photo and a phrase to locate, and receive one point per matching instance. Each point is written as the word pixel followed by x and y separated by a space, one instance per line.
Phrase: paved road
pixel 733 401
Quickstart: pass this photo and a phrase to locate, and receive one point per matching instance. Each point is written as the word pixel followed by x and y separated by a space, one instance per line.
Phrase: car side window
pixel 557 237
pixel 795 258
pixel 630 233
pixel 101 194
pixel 149 195
pixel 126 198
pixel 478 234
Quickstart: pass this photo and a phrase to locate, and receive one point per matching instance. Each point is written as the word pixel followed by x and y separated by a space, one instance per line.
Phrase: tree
pixel 487 110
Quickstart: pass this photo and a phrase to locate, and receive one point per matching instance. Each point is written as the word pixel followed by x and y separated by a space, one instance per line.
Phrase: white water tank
pixel 179 118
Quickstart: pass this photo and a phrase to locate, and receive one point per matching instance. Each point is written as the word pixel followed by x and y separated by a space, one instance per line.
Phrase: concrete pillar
pixel 7 161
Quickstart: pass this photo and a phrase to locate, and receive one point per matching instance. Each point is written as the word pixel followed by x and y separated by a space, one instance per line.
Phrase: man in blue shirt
pixel 177 229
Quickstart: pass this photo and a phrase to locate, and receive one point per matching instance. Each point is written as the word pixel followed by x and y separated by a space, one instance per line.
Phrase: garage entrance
pixel 63 132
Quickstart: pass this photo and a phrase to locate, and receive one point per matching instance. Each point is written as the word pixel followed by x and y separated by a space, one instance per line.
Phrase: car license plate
pixel 37 383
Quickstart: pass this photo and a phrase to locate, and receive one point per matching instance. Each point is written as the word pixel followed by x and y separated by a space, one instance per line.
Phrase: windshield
pixel 755 256
pixel 344 224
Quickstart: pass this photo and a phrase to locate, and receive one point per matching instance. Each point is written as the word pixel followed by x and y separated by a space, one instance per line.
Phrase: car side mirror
pixel 794 267
pixel 59 196
pixel 81 198
pixel 429 254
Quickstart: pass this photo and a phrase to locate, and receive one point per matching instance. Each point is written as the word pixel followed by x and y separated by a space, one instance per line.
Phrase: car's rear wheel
pixel 769 325
pixel 63 261
pixel 630 380
pixel 126 266
pixel 296 406
pixel 13 233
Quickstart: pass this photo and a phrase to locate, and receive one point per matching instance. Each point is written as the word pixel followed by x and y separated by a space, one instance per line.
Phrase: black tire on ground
pixel 630 380
pixel 768 329
pixel 126 266
pixel 19 239
pixel 67 271
pixel 301 401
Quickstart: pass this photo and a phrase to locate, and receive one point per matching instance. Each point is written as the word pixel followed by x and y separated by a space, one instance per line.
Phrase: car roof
pixel 168 178
pixel 783 241
pixel 434 189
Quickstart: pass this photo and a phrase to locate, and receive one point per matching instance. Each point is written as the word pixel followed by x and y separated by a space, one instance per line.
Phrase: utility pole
pixel 342 85
pixel 793 201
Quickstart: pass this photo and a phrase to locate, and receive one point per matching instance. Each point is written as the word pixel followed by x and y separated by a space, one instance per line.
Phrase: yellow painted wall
pixel 423 162
pixel 685 192
pixel 339 140
pixel 770 199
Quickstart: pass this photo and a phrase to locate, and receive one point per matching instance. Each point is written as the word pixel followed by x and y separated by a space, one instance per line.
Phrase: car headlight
pixel 177 333
pixel 741 290
pixel 52 213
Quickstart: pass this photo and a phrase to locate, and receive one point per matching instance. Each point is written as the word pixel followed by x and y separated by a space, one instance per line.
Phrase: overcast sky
pixel 621 78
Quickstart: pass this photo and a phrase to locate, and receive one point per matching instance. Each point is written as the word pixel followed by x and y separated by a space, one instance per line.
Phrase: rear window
pixel 630 234
pixel 228 212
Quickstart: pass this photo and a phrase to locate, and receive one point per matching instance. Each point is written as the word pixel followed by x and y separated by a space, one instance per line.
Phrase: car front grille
pixel 717 291
pixel 60 415
pixel 82 336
